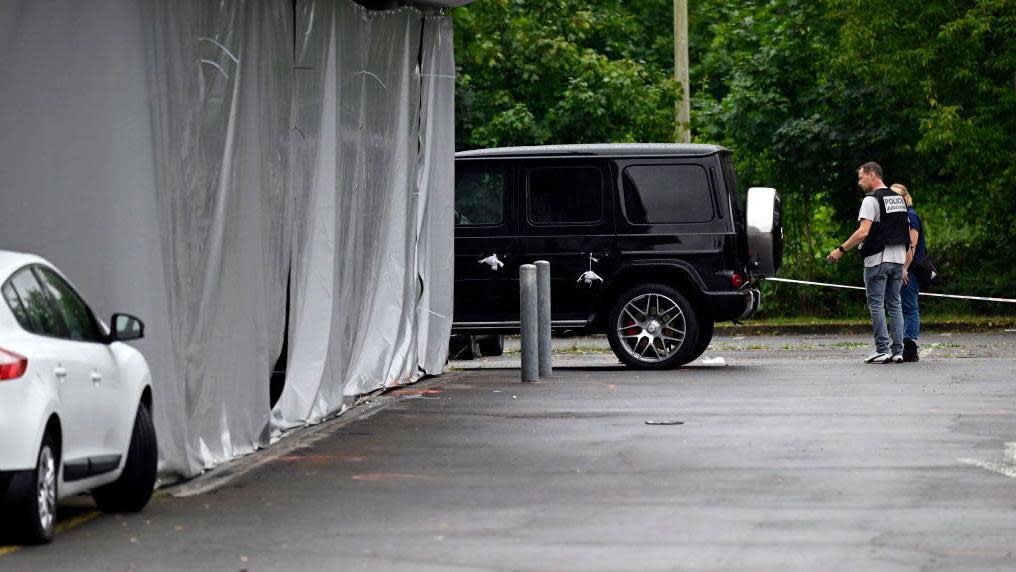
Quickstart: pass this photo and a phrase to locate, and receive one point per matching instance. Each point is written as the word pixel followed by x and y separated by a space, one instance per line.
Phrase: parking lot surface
pixel 781 453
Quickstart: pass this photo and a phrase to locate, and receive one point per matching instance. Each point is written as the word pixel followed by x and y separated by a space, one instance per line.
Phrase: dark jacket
pixel 893 226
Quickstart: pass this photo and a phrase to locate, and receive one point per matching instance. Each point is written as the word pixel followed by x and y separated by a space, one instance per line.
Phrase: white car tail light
pixel 12 365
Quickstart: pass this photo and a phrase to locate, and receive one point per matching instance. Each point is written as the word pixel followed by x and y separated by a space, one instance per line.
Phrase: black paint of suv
pixel 648 243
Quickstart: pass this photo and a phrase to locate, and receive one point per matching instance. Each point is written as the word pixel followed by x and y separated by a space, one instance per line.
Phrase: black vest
pixel 893 226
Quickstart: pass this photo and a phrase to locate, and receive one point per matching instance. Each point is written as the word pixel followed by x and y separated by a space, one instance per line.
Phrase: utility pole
pixel 683 110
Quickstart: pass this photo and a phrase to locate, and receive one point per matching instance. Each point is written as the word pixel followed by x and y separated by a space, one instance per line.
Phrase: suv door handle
pixel 96 377
pixel 60 372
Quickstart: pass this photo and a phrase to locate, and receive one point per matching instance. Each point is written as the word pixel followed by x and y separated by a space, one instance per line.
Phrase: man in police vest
pixel 882 237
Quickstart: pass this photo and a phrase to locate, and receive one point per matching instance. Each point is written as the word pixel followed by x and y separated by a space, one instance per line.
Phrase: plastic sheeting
pixel 186 161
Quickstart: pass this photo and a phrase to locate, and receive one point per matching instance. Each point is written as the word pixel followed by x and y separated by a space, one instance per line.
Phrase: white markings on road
pixel 60 528
pixel 1007 467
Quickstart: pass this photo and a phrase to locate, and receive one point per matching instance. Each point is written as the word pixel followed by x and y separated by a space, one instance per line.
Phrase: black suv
pixel 649 243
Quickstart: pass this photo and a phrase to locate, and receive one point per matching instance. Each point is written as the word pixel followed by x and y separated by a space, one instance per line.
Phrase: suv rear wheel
pixel 653 326
pixel 705 336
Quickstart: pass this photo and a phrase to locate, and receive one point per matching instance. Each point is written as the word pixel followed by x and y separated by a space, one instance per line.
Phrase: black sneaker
pixel 910 351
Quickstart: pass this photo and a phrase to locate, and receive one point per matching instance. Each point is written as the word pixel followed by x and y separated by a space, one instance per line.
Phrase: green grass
pixel 988 321
pixel 848 345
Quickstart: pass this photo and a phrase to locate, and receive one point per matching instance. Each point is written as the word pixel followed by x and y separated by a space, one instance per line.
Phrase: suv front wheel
pixel 653 326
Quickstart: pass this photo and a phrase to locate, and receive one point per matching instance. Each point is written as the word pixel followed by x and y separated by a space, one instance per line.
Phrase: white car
pixel 75 401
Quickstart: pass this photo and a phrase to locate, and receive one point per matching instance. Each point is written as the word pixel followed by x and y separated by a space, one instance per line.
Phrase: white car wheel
pixel 46 487
pixel 131 492
pixel 38 506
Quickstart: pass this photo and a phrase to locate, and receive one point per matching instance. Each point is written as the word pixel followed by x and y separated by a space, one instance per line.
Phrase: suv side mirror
pixel 126 327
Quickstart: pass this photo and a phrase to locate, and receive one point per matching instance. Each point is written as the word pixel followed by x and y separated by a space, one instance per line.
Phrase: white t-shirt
pixel 896 253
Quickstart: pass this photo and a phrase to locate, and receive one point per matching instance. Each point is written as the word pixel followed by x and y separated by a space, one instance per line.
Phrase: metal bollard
pixel 528 319
pixel 543 317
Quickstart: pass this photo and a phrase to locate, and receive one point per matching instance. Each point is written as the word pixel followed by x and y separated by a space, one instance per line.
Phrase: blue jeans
pixel 911 313
pixel 882 285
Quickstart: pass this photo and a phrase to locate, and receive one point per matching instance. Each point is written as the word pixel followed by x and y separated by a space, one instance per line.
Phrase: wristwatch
pixel 840 248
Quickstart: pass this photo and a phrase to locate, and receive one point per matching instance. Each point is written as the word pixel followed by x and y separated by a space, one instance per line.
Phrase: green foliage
pixel 557 71
pixel 803 91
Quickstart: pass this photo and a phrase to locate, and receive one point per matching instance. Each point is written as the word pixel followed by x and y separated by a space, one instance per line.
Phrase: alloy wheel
pixel 46 488
pixel 651 327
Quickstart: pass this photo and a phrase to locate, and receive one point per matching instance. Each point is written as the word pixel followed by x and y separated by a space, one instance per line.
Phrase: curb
pixel 365 406
pixel 856 328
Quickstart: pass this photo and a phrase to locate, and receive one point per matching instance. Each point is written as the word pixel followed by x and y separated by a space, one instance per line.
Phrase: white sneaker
pixel 896 358
pixel 877 357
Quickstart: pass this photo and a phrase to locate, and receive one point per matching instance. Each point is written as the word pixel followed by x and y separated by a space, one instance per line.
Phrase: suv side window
pixel 479 197
pixel 568 195
pixel 662 194
pixel 81 323
pixel 730 181
pixel 37 315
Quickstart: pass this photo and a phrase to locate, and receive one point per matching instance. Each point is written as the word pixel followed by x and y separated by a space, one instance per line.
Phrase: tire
pixel 37 507
pixel 633 332
pixel 491 346
pixel 131 492
pixel 705 336
pixel 462 347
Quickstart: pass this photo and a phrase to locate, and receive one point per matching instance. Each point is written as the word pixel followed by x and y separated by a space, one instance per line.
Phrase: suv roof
pixel 598 150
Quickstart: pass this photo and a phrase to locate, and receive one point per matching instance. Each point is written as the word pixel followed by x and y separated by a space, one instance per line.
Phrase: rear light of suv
pixel 737 280
pixel 12 365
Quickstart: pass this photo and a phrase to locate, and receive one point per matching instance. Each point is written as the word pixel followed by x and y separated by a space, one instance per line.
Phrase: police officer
pixel 883 238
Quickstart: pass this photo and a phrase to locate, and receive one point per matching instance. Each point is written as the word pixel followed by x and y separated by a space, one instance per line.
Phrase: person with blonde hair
pixel 911 286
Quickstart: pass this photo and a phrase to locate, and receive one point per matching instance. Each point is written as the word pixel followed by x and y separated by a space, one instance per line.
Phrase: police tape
pixel 955 296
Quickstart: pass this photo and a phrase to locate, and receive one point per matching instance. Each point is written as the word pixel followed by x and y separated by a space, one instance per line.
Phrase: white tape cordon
pixel 957 296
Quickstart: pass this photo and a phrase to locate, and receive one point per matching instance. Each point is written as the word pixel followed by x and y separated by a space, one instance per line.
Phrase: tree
pixel 803 91
pixel 559 71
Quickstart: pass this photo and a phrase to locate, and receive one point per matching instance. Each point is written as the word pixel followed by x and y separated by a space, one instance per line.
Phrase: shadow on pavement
pixel 617 368
pixel 68 512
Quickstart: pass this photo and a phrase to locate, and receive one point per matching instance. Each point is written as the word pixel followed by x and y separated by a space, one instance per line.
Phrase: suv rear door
pixel 566 217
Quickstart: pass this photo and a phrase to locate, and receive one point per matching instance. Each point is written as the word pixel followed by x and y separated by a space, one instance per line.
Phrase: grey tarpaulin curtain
pixel 185 160
pixel 435 257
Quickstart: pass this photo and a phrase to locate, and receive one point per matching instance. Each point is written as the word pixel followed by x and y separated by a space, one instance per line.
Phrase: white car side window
pixel 39 314
pixel 81 325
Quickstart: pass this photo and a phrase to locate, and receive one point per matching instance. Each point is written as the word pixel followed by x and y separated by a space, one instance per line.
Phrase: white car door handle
pixel 96 377
pixel 60 372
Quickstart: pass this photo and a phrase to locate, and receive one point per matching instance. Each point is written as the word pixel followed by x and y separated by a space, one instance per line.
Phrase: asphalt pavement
pixel 782 453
